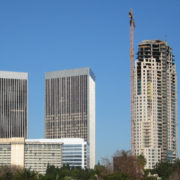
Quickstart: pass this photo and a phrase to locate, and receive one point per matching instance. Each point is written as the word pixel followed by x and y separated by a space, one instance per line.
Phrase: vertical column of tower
pixel 164 50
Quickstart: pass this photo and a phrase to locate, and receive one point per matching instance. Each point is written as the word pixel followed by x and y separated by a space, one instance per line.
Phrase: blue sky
pixel 41 36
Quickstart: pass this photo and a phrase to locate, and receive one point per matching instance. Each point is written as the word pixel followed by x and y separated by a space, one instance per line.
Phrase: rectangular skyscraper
pixel 155 103
pixel 70 106
pixel 13 104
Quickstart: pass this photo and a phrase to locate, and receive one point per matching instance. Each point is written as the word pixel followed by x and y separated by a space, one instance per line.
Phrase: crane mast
pixel 132 26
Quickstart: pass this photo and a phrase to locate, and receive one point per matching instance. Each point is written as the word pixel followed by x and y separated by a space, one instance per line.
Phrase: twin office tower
pixel 69 105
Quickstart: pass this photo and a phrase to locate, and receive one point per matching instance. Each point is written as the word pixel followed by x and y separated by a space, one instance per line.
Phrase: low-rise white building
pixel 37 154
pixel 75 152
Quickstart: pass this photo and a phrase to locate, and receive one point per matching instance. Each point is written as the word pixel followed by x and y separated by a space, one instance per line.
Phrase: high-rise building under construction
pixel 155 103
pixel 70 106
pixel 13 104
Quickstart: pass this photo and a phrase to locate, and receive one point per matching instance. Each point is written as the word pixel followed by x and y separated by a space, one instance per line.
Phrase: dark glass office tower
pixel 13 104
pixel 70 106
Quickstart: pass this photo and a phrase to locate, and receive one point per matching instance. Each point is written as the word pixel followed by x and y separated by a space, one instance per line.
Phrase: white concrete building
pixel 35 153
pixel 155 103
pixel 38 153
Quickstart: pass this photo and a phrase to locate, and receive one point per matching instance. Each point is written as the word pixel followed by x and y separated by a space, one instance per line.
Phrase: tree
pixel 175 175
pixel 118 176
pixel 141 161
pixel 125 163
pixel 163 169
pixel 26 174
pixel 101 170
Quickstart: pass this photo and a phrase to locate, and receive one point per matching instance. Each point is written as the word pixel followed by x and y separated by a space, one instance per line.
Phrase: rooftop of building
pixel 152 42
pixel 61 140
pixel 49 141
pixel 13 75
pixel 70 72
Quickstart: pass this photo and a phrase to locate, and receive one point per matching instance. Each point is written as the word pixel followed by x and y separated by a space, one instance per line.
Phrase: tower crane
pixel 132 26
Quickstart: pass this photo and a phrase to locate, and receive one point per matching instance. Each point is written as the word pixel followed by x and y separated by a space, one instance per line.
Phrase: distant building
pixel 13 104
pixel 38 153
pixel 70 106
pixel 75 152
pixel 155 103
pixel 34 154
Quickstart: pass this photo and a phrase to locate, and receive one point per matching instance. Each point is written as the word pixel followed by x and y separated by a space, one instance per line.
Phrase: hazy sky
pixel 38 36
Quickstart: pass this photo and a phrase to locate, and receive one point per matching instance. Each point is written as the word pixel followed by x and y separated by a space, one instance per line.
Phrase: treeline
pixel 123 166
pixel 52 173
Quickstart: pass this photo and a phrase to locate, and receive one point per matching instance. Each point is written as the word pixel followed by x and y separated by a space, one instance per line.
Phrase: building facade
pixel 155 103
pixel 39 153
pixel 36 154
pixel 70 106
pixel 75 152
pixel 13 104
